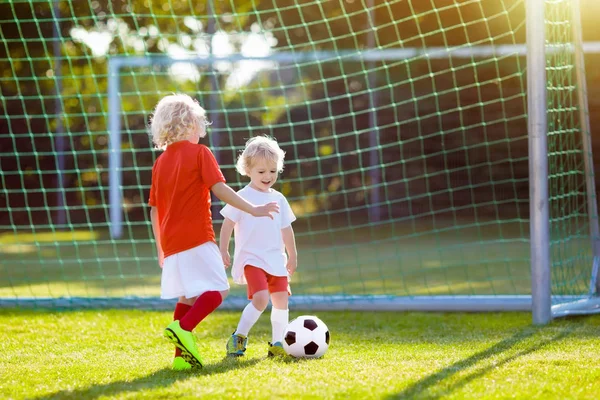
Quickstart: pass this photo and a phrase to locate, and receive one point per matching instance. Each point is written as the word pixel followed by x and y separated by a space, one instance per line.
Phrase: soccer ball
pixel 306 336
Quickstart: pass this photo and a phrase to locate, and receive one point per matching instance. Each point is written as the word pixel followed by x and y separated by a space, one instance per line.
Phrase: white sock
pixel 279 321
pixel 249 317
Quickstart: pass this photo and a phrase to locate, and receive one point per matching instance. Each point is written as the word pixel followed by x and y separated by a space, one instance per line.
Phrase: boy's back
pixel 181 180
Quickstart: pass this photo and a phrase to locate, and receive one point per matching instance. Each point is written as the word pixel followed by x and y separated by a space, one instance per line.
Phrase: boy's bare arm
pixel 224 238
pixel 289 240
pixel 229 196
pixel 156 230
pixel 226 231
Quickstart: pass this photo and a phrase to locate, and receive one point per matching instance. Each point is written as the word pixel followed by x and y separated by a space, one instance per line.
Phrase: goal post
pixel 539 215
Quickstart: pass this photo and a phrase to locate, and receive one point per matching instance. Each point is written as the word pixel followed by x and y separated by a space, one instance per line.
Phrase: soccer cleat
pixel 236 345
pixel 185 341
pixel 179 364
pixel 276 350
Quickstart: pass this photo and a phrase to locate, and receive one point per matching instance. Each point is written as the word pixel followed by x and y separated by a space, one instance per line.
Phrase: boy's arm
pixel 229 196
pixel 224 237
pixel 156 230
pixel 289 240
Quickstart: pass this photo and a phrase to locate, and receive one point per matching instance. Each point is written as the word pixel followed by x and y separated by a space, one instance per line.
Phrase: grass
pixel 121 354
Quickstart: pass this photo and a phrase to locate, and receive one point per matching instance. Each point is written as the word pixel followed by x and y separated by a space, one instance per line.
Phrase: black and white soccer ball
pixel 306 336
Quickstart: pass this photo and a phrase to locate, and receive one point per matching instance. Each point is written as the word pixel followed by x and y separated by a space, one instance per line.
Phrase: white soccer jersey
pixel 258 240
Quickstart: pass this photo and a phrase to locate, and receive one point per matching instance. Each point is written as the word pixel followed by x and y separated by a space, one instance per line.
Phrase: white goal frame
pixel 541 301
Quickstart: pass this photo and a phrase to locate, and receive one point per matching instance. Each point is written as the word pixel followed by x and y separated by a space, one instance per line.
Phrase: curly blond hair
pixel 260 148
pixel 177 117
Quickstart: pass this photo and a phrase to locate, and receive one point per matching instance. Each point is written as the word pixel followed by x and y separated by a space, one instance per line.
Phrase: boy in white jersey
pixel 260 258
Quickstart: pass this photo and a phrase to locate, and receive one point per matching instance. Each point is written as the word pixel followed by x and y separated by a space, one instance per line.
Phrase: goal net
pixel 404 125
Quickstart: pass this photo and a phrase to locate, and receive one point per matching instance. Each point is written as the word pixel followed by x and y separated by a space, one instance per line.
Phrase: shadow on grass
pixel 432 386
pixel 159 379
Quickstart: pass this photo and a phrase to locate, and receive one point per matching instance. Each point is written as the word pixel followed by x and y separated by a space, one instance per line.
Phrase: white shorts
pixel 192 272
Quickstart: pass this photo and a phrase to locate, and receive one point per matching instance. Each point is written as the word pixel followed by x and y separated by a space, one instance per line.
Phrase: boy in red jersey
pixel 182 179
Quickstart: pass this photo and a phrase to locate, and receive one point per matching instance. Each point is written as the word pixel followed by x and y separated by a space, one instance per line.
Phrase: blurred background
pixel 408 169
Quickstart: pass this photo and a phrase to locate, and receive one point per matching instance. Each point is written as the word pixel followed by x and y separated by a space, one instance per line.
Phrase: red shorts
pixel 259 280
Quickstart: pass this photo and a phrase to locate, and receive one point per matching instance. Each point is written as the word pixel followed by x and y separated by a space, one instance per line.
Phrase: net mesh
pixel 571 260
pixel 404 124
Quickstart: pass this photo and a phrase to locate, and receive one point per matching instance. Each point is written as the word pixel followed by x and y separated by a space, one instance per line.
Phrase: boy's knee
pixel 280 300
pixel 260 300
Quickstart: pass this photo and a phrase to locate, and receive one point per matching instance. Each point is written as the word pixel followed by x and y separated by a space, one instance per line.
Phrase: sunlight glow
pixel 255 43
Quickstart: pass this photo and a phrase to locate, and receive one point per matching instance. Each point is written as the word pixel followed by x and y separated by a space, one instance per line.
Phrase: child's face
pixel 263 174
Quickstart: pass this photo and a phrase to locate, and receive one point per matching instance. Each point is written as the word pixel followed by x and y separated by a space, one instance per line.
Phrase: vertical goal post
pixel 539 215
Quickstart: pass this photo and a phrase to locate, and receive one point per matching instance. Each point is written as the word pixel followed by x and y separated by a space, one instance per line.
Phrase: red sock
pixel 180 310
pixel 204 305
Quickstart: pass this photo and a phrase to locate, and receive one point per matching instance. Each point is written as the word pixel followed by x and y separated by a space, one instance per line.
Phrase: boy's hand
pixel 226 258
pixel 266 210
pixel 291 265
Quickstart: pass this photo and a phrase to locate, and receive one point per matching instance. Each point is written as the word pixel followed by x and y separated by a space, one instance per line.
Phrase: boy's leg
pixel 182 337
pixel 236 345
pixel 256 279
pixel 198 270
pixel 205 304
pixel 250 315
pixel 278 286
pixel 258 293
pixel 202 267
pixel 181 308
pixel 279 315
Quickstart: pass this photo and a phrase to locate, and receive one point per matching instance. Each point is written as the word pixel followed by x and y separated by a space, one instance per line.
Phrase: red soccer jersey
pixel 181 180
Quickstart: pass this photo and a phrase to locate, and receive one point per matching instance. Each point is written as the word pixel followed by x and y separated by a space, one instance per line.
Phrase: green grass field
pixel 121 354
pixel 97 354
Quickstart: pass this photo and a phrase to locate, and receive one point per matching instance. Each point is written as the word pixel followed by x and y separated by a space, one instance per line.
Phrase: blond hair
pixel 177 117
pixel 263 148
